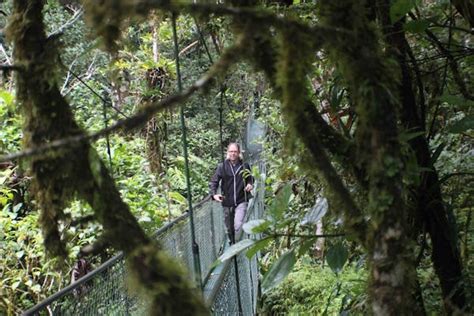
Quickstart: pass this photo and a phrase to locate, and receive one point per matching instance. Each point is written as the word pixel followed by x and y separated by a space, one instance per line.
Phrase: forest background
pixel 323 93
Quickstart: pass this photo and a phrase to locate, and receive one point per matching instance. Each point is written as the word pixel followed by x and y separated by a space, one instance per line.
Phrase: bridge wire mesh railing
pixel 104 290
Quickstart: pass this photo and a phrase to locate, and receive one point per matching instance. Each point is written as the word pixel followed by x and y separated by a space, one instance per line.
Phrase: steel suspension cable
pixel 222 88
pixel 105 102
pixel 195 247
pixel 232 213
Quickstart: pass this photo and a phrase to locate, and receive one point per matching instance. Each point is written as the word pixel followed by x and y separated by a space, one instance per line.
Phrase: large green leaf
pixel 336 257
pixel 417 26
pixel 280 203
pixel 400 8
pixel 463 125
pixel 256 226
pixel 259 245
pixel 235 249
pixel 278 271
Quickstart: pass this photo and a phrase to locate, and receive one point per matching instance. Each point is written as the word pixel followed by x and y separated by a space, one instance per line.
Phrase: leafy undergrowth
pixel 312 289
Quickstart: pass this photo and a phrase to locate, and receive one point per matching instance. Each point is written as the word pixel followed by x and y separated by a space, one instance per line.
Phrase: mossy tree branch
pixel 79 170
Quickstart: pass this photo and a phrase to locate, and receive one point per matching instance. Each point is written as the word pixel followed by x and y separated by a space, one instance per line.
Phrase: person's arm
pixel 214 184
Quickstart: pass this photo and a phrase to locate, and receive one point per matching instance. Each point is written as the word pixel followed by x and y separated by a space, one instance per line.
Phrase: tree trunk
pixel 372 82
pixel 430 209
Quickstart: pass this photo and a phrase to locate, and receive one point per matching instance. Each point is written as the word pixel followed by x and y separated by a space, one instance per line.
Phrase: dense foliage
pixel 368 107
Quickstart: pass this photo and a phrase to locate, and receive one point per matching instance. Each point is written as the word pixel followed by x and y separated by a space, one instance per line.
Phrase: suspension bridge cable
pixel 93 91
pixel 107 138
pixel 222 88
pixel 232 213
pixel 104 113
pixel 195 247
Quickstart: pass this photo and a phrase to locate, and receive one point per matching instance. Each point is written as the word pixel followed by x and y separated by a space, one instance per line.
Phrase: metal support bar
pixel 196 259
pixel 236 268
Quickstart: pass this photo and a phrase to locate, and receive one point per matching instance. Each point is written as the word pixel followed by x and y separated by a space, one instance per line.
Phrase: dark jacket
pixel 233 181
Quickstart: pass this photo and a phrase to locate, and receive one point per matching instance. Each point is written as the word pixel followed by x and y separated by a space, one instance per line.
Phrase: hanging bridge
pixel 196 239
pixel 231 288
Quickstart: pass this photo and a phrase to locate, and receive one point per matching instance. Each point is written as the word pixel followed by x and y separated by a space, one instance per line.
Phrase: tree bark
pixel 430 210
pixel 372 82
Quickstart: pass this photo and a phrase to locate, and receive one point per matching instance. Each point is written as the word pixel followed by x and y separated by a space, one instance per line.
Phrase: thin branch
pixel 5 53
pixel 10 67
pixel 184 50
pixel 456 174
pixel 457 28
pixel 83 220
pixel 68 24
pixel 95 92
pixel 229 57
pixel 451 62
pixel 307 236
pixel 265 17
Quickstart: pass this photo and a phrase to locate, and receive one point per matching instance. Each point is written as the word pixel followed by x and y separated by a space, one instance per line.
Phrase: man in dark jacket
pixel 236 184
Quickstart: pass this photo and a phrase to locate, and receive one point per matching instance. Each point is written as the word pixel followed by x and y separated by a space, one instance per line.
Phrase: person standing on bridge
pixel 236 183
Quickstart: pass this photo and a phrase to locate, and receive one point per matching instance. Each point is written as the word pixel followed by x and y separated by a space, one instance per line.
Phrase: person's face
pixel 233 153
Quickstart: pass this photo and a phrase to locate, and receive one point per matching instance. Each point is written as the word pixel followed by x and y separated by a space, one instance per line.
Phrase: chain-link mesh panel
pixel 103 292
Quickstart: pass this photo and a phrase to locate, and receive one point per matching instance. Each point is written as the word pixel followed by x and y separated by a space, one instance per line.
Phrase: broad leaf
pixel 257 246
pixel 407 135
pixel 305 246
pixel 256 226
pixel 336 257
pixel 455 100
pixel 280 204
pixel 235 249
pixel 400 8
pixel 463 125
pixel 417 26
pixel 278 271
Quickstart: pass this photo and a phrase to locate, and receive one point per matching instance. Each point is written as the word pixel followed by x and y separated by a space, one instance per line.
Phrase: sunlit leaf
pixel 177 197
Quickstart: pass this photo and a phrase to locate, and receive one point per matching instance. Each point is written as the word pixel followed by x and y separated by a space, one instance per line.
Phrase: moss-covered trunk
pixel 372 83
pixel 428 208
pixel 77 170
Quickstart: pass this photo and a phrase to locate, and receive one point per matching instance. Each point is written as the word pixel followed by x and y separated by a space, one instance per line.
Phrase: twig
pixel 10 67
pixel 69 23
pixel 307 236
pixel 5 53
